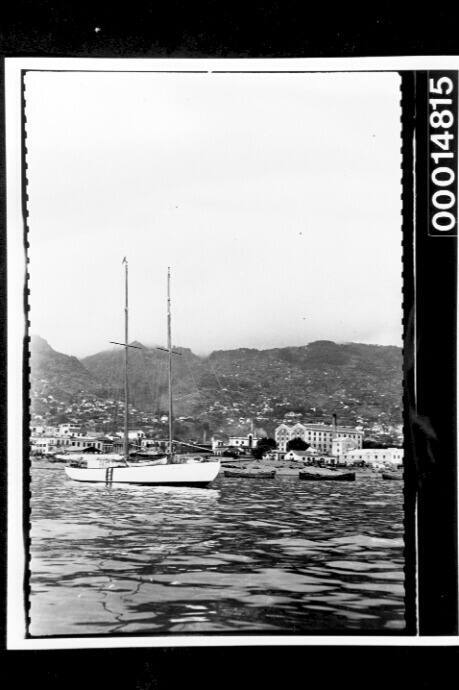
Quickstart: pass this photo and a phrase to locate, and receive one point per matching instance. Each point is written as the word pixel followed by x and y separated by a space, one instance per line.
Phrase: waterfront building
pixel 301 455
pixel 50 444
pixel 44 445
pixel 319 436
pixel 249 441
pixel 218 444
pixel 342 445
pixel 76 443
pixel 378 457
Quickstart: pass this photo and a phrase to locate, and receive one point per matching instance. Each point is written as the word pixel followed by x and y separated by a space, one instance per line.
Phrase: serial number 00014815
pixel 442 146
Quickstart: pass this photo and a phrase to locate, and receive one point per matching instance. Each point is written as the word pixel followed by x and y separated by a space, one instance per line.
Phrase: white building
pixel 301 455
pixel 133 434
pixel 319 436
pixel 50 444
pixel 44 445
pixel 249 441
pixel 342 445
pixel 80 443
pixel 69 430
pixel 218 443
pixel 380 457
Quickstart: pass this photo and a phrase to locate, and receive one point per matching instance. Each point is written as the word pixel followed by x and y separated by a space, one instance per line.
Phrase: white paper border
pixel 16 265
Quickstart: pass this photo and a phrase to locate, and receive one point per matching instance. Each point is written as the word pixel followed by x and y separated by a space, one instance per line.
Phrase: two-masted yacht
pixel 168 470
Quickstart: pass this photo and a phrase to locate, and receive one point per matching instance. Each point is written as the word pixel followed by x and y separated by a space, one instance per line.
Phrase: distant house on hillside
pixel 69 429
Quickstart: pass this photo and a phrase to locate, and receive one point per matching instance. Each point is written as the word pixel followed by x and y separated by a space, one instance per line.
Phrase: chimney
pixel 334 425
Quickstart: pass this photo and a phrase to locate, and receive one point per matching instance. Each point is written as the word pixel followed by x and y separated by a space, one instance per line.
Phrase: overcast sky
pixel 274 198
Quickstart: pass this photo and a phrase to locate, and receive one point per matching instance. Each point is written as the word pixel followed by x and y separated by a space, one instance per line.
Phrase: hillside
pixel 362 380
pixel 148 377
pixel 225 389
pixel 317 379
pixel 55 376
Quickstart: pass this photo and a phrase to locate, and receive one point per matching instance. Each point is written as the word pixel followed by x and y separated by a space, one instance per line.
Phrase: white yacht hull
pixel 186 474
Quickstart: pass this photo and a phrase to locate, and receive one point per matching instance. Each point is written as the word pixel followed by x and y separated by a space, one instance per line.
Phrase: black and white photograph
pixel 216 436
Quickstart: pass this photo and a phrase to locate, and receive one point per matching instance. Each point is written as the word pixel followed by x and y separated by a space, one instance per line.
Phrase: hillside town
pixel 228 404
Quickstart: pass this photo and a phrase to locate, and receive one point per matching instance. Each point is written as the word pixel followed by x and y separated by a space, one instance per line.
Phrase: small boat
pixel 250 474
pixel 166 471
pixel 395 476
pixel 320 475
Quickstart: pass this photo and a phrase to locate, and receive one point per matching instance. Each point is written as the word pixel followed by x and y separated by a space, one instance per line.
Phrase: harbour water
pixel 276 556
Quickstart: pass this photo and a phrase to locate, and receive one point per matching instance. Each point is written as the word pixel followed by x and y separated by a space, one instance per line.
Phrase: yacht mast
pixel 126 347
pixel 169 347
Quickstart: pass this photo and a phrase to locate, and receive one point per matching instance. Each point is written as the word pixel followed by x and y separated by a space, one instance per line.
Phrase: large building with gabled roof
pixel 319 436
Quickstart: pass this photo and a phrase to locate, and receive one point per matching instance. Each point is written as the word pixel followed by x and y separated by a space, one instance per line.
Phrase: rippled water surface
pixel 275 556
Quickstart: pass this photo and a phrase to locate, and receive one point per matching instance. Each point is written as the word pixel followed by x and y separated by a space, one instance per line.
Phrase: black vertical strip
pixel 3 349
pixel 434 419
pixel 26 478
pixel 407 122
pixel 442 153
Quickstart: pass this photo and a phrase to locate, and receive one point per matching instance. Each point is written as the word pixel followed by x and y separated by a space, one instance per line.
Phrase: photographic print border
pixel 418 494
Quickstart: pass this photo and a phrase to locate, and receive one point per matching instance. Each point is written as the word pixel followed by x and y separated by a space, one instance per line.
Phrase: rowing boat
pixel 250 474
pixel 326 475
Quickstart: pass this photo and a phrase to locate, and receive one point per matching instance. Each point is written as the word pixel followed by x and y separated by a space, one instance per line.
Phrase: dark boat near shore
pixel 392 476
pixel 326 475
pixel 250 474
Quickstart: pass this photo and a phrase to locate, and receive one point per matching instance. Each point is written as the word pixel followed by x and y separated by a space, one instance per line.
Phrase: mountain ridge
pixel 39 339
pixel 362 383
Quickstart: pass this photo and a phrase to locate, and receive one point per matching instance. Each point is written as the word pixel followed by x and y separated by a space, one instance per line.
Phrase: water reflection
pixel 244 556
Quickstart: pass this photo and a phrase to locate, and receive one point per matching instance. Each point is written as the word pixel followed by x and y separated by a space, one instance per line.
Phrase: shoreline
pixel 282 468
